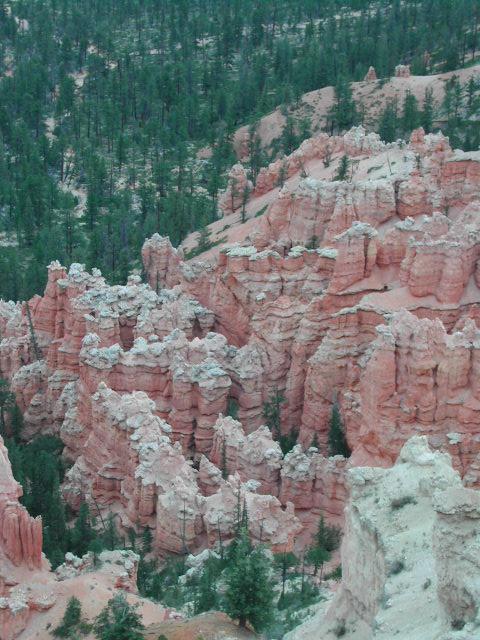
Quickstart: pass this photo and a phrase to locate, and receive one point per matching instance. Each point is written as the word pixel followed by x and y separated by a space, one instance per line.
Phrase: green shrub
pixel 399 503
pixel 397 567
pixel 335 574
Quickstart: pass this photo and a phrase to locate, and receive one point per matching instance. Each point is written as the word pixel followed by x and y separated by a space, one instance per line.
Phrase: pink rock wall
pixel 266 316
pixel 20 535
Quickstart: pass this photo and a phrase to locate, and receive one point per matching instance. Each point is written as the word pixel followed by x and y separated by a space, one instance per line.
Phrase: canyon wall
pixel 365 290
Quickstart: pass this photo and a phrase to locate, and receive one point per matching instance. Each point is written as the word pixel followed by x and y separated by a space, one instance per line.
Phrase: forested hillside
pixel 105 105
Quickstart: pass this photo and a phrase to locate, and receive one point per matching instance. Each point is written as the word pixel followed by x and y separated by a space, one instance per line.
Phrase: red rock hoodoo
pixel 366 290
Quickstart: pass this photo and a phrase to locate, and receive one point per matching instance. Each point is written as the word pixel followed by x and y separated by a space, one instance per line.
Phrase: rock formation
pixel 366 290
pixel 254 457
pixel 402 573
pixel 161 262
pixel 20 535
pixel 238 190
pixel 370 75
pixel 402 71
pixel 28 588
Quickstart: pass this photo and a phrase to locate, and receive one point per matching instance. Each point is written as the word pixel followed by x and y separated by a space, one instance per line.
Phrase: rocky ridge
pixel 364 289
pixel 403 574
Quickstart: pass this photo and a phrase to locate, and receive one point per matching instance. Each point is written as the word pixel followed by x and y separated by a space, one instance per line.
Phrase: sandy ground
pixel 230 229
pixel 208 626
pixel 93 593
pixel 374 95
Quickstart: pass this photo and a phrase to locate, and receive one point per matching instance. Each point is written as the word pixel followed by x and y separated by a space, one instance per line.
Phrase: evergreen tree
pixel 285 561
pixel 245 197
pixel 387 127
pixel 7 403
pixel 142 107
pixel 328 536
pixel 249 595
pixel 344 111
pixel 206 598
pixel 118 621
pixel 337 441
pixel 146 541
pixel 317 556
pixel 72 625
pixel 410 113
pixel 289 137
pixel 327 540
pixel 272 412
pixel 342 170
pixel 427 115
pixel 110 537
pixel 82 534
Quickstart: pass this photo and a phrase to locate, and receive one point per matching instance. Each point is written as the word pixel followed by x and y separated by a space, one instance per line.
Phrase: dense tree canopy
pixel 104 106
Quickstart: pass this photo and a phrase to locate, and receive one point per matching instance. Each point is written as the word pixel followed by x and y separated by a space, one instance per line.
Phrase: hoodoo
pixel 239 320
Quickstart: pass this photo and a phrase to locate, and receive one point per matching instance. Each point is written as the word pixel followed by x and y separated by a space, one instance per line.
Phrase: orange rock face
pixel 20 535
pixel 366 290
pixel 238 190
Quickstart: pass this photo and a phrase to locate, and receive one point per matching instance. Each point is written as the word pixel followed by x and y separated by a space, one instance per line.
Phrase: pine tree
pixel 344 111
pixel 337 441
pixel 146 546
pixel 328 536
pixel 7 402
pixel 249 595
pixel 118 621
pixel 285 561
pixel 342 170
pixel 427 115
pixel 110 537
pixel 289 137
pixel 410 113
pixel 282 175
pixel 272 413
pixel 388 122
pixel 327 540
pixel 206 598
pixel 33 337
pixel 72 625
pixel 245 197
pixel 317 556
pixel 82 534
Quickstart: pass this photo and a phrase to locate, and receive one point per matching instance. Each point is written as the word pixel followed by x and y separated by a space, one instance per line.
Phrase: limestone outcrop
pixel 417 378
pixel 128 466
pixel 28 588
pixel 402 574
pixel 254 457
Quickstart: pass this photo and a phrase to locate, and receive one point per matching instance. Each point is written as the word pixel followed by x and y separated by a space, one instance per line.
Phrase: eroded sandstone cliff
pixel 364 290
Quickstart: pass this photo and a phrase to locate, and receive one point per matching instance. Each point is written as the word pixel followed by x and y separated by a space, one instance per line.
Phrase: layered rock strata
pixel 20 535
pixel 365 290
